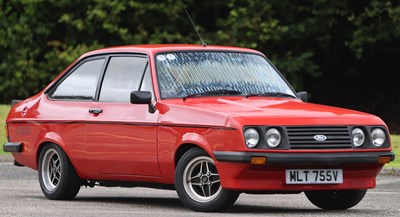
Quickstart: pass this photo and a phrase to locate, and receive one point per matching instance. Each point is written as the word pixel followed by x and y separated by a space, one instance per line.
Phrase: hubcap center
pixel 204 179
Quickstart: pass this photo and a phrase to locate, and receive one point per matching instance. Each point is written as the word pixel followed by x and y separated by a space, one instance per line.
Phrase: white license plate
pixel 314 176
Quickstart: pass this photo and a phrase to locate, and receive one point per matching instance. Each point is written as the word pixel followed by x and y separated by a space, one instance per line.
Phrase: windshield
pixel 184 74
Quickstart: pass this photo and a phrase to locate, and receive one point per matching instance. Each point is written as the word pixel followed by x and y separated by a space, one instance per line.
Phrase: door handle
pixel 95 111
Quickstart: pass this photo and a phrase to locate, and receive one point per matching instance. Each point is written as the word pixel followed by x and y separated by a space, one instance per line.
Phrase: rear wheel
pixel 198 184
pixel 335 200
pixel 57 177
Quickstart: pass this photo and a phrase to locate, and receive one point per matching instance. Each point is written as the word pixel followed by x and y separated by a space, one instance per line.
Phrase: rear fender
pixel 50 137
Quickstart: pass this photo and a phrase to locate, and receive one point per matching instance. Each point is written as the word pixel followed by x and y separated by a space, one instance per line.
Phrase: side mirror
pixel 303 96
pixel 143 97
pixel 15 101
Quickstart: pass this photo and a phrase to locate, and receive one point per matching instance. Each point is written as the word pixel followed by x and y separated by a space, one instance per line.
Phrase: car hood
pixel 239 111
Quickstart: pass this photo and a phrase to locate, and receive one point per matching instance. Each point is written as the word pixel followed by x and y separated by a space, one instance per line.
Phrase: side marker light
pixel 384 160
pixel 258 160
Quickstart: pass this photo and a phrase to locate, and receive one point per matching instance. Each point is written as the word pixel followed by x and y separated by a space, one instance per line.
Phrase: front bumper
pixel 237 173
pixel 305 158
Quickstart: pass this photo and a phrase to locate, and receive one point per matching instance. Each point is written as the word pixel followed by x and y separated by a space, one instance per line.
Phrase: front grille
pixel 337 137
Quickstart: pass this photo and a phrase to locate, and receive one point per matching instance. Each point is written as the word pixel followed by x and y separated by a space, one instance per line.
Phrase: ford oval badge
pixel 320 137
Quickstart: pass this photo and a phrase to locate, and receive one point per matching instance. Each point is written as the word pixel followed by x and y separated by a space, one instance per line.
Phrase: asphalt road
pixel 20 195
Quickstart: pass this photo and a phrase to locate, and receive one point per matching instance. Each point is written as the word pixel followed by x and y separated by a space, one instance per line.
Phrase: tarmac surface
pixel 384 171
pixel 21 196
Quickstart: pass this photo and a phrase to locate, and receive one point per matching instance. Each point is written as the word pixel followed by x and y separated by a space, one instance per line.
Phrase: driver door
pixel 122 137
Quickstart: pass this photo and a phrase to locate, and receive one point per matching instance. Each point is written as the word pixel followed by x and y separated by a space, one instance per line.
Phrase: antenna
pixel 201 39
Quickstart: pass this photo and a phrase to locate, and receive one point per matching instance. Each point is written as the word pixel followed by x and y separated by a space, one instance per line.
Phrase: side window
pixel 147 84
pixel 123 76
pixel 82 83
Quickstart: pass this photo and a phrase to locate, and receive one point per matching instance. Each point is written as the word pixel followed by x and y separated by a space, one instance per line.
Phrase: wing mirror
pixel 303 96
pixel 143 97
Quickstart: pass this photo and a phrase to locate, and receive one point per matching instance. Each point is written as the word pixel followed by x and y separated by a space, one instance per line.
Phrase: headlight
pixel 251 137
pixel 273 137
pixel 358 137
pixel 378 137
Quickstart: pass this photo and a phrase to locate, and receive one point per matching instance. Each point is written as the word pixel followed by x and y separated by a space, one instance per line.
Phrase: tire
pixel 57 177
pixel 335 200
pixel 197 183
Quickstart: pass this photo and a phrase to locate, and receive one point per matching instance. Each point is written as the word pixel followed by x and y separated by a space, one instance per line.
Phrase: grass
pixel 396 149
pixel 5 108
pixel 3 114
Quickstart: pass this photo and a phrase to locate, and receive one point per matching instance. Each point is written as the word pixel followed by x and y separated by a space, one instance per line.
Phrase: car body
pixel 209 121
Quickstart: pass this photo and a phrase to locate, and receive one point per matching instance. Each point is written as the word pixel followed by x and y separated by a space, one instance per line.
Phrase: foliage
pixel 329 48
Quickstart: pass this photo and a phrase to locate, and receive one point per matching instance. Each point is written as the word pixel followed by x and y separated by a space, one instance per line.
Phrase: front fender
pixel 194 139
pixel 171 139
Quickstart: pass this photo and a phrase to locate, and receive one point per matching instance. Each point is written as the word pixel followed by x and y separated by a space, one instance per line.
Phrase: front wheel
pixel 198 184
pixel 57 177
pixel 335 200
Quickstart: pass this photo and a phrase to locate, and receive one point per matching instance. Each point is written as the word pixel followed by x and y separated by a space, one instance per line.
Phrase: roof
pixel 151 49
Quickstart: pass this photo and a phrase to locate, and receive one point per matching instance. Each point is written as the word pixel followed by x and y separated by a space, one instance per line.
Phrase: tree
pixel 344 53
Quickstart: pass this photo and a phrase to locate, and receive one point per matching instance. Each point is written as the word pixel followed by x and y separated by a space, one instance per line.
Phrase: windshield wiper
pixel 277 94
pixel 214 92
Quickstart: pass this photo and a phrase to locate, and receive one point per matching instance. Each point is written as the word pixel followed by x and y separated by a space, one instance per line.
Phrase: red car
pixel 211 122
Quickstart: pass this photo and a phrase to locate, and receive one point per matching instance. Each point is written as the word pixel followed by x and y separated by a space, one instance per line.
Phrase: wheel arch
pixel 189 141
pixel 40 148
pixel 49 138
pixel 182 149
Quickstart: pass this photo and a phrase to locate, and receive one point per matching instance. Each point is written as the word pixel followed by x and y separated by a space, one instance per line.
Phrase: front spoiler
pixel 305 158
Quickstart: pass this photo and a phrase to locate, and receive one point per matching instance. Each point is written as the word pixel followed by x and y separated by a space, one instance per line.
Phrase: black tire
pixel 204 192
pixel 57 177
pixel 335 200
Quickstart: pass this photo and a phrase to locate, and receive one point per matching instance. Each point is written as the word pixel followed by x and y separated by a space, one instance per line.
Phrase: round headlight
pixel 273 137
pixel 358 137
pixel 378 137
pixel 251 137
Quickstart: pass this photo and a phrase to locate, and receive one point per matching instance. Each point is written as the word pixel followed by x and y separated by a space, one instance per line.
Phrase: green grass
pixel 396 149
pixel 5 108
pixel 3 115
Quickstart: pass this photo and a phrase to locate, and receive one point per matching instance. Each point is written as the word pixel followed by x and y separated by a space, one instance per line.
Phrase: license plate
pixel 314 176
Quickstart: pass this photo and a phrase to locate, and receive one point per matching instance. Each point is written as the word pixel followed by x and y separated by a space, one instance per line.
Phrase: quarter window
pixel 123 75
pixel 81 83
